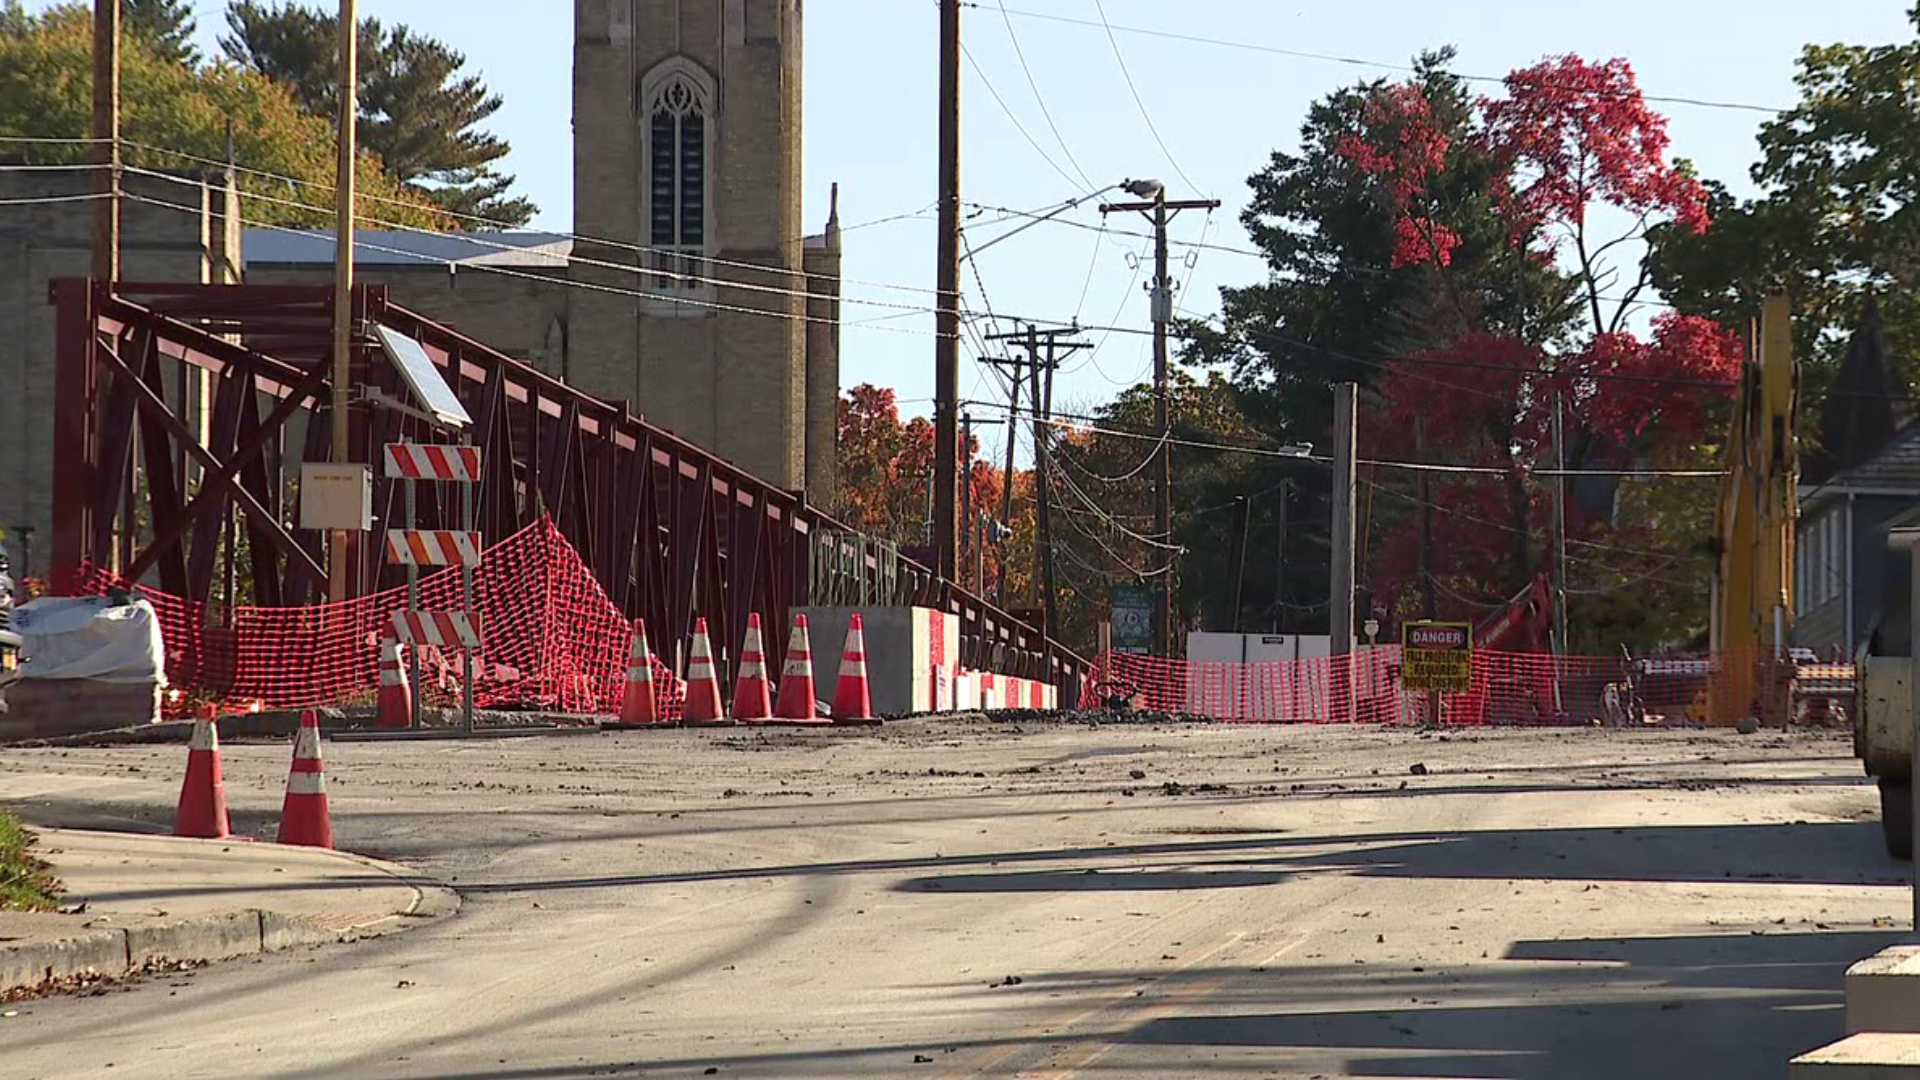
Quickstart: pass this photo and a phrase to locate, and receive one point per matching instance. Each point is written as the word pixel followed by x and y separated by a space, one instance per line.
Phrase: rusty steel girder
pixel 671 532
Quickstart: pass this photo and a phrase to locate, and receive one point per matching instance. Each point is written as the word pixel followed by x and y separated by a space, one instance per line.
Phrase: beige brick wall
pixel 514 314
pixel 733 381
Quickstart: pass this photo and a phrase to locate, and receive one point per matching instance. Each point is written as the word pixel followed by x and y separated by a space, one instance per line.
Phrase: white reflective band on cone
pixel 306 783
pixel 306 744
pixel 640 674
pixel 203 737
pixel 798 666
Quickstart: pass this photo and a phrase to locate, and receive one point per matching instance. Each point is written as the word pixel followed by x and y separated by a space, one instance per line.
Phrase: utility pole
pixel 342 396
pixel 1280 557
pixel 1561 645
pixel 1035 341
pixel 966 494
pixel 1160 211
pixel 946 342
pixel 1429 598
pixel 1006 483
pixel 106 132
pixel 973 570
pixel 1340 608
pixel 1237 559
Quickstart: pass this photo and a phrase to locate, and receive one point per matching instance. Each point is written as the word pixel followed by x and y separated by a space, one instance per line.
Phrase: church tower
pixel 687 159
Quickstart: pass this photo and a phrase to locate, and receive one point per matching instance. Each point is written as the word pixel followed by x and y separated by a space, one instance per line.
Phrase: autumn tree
pixel 1834 222
pixel 420 110
pixel 45 91
pixel 1446 253
pixel 886 480
pixel 1577 143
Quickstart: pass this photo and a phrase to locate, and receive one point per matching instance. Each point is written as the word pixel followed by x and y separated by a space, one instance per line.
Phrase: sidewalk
pixel 161 897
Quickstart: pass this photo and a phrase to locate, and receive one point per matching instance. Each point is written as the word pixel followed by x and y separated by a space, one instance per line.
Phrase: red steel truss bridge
pixel 669 531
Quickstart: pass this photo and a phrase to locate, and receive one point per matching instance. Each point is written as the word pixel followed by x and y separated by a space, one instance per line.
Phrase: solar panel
pixel 430 391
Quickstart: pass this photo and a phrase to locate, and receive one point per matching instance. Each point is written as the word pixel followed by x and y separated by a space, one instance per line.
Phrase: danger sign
pixel 1437 657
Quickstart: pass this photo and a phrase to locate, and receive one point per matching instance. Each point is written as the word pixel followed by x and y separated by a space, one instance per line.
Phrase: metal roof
pixel 382 247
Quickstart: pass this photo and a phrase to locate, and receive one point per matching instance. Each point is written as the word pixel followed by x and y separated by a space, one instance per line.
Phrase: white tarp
pixel 90 638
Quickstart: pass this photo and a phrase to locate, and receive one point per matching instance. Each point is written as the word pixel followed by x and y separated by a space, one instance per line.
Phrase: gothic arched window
pixel 676 100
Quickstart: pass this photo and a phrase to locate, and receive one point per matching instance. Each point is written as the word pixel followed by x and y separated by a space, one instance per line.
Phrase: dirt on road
pixel 970 899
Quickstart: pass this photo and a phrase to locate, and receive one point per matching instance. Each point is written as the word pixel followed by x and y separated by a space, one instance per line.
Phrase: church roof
pixel 381 247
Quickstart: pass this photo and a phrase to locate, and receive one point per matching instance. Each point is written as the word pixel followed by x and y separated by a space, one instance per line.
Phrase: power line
pixel 1040 99
pixel 476 240
pixel 1144 114
pixel 501 225
pixel 548 279
pixel 1299 54
pixel 1022 128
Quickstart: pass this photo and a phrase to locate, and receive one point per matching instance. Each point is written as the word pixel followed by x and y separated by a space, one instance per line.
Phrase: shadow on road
pixel 1660 1007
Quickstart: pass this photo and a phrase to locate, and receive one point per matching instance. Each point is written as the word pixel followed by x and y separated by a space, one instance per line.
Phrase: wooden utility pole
pixel 1040 371
pixel 1340 607
pixel 946 342
pixel 1160 211
pixel 972 570
pixel 1280 556
pixel 106 132
pixel 349 34
pixel 1006 484
pixel 1237 559
pixel 966 494
pixel 1561 645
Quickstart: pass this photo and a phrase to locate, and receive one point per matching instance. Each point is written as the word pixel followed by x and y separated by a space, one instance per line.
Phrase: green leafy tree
pixel 419 109
pixel 1836 220
pixel 46 75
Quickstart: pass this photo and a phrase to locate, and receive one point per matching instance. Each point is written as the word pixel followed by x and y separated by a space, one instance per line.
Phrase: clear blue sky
pixel 870 86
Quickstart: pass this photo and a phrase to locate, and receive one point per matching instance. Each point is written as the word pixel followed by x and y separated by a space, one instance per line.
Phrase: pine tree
pixel 165 26
pixel 418 109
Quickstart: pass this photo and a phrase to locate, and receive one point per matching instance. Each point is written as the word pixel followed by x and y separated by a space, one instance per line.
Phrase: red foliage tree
pixel 1570 137
pixel 885 471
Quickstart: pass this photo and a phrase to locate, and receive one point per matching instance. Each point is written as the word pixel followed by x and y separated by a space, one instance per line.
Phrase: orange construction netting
pixel 1509 689
pixel 553 641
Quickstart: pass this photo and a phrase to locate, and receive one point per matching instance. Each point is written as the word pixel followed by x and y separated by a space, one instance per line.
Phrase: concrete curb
pixel 247 932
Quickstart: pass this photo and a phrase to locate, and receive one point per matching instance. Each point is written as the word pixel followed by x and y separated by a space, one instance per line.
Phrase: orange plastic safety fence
pixel 552 641
pixel 1506 689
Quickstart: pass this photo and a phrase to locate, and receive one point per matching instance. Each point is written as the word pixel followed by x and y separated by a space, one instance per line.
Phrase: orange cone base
pixel 304 821
pixel 395 708
pixel 202 812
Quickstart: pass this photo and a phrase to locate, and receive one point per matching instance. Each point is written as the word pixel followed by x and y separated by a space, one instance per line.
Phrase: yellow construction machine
pixel 1753 599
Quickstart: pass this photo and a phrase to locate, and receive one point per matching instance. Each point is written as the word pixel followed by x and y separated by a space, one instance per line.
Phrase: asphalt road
pixel 950 901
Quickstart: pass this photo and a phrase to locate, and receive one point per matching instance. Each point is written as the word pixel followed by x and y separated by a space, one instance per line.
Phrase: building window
pixel 1820 562
pixel 678 103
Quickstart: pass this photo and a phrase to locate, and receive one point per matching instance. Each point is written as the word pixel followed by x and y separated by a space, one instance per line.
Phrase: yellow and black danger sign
pixel 1436 657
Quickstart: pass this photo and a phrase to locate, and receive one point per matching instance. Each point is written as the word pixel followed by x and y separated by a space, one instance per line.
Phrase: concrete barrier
pixel 1867 1056
pixel 1883 991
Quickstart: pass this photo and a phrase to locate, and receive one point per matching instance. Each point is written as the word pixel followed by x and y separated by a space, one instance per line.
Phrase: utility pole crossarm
pixel 1160 210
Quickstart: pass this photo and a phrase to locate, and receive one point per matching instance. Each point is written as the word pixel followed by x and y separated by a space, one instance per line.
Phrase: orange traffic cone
pixel 396 697
pixel 851 702
pixel 703 685
pixel 796 704
pixel 752 699
pixel 203 797
pixel 303 817
pixel 638 707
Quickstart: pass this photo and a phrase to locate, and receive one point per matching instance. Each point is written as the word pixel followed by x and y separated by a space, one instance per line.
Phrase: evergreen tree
pixel 166 26
pixel 419 110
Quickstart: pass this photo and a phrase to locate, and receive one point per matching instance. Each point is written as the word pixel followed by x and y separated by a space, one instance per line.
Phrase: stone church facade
pixel 693 291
